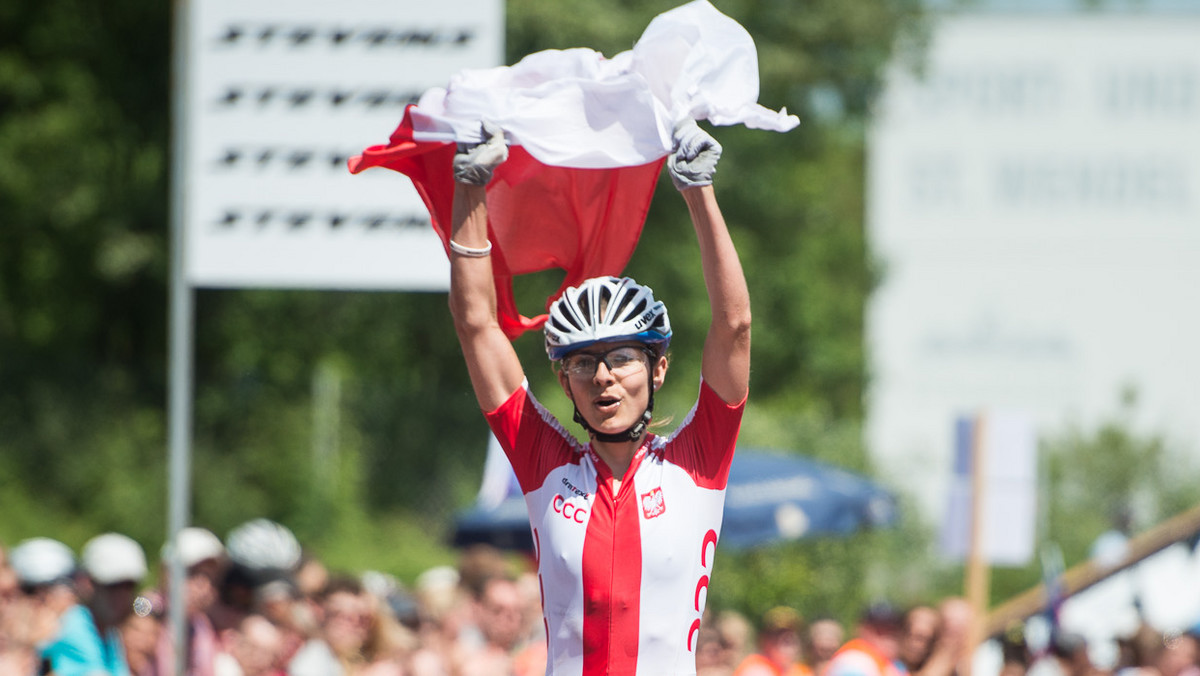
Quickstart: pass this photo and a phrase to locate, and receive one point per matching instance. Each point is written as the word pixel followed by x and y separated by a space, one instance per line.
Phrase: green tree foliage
pixel 82 264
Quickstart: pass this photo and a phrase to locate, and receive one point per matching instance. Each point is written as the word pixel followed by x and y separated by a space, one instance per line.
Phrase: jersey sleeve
pixel 704 443
pixel 531 437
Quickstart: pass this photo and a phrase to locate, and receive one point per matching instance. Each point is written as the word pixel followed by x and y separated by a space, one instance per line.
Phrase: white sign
pixel 1008 476
pixel 1034 201
pixel 282 95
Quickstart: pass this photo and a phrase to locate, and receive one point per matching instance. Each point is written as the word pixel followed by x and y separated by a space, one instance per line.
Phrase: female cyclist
pixel 626 525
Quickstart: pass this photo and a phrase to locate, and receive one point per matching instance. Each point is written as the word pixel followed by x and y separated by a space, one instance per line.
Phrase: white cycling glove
pixel 693 160
pixel 474 164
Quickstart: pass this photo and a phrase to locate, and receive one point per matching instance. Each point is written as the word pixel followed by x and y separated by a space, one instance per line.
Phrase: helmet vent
pixel 585 305
pixel 637 309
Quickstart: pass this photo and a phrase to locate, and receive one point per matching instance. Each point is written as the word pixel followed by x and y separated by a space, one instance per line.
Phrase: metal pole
pixel 978 569
pixel 179 397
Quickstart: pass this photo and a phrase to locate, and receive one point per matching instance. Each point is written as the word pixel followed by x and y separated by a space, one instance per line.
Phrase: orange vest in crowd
pixel 886 666
pixel 756 664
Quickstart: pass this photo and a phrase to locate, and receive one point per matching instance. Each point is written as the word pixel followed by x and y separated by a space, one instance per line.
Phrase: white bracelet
pixel 470 251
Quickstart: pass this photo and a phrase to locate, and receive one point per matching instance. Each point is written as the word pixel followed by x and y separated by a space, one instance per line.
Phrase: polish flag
pixel 587 139
pixel 584 221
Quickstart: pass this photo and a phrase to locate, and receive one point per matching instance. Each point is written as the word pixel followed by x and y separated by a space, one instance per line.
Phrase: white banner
pixel 282 95
pixel 1034 196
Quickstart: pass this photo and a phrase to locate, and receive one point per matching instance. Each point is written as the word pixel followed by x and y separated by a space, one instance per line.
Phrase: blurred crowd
pixel 257 605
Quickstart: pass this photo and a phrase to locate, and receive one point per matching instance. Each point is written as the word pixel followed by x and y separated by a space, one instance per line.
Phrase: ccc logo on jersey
pixel 569 510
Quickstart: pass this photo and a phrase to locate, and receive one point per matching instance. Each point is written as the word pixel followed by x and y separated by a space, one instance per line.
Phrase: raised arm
pixel 725 364
pixel 492 363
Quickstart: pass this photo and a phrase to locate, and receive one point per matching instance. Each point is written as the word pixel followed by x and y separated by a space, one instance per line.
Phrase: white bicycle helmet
pixel 196 545
pixel 113 558
pixel 262 544
pixel 605 309
pixel 42 561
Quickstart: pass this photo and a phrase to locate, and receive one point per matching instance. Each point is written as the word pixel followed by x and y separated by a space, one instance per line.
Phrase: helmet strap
pixel 634 432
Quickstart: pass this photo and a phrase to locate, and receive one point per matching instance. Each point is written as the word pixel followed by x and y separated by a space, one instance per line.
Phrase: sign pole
pixel 179 398
pixel 978 573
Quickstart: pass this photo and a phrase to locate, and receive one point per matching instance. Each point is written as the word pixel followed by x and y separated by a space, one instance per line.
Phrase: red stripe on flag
pixel 584 221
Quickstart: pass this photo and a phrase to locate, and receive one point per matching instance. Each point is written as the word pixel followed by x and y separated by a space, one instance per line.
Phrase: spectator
pixel 1014 652
pixel 499 617
pixel 1178 657
pixel 40 588
pixel 141 634
pixel 311 579
pixel 530 660
pixel 281 603
pixel 478 565
pixel 443 610
pixel 825 636
pixel 88 642
pixel 203 559
pixel 1068 656
pixel 779 646
pixel 711 659
pixel 253 648
pixel 875 648
pixel 16 657
pixel 45 571
pixel 349 643
pixel 952 650
pixel 396 615
pixel 921 624
pixel 937 642
pixel 1139 652
pixel 737 636
pixel 259 552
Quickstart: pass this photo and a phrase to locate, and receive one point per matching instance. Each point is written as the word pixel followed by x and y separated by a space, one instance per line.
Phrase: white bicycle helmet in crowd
pixel 196 545
pixel 113 558
pixel 41 562
pixel 608 309
pixel 262 544
pixel 604 309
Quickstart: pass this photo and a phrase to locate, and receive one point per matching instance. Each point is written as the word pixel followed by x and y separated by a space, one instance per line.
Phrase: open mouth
pixel 607 404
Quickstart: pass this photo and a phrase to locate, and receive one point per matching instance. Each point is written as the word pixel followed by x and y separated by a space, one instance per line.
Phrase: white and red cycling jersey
pixel 624 576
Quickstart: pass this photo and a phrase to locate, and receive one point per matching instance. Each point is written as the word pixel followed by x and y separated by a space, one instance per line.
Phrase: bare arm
pixel 725 365
pixel 726 361
pixel 492 363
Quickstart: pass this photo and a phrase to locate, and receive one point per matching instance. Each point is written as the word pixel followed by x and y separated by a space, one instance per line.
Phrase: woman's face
pixel 347 622
pixel 610 383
